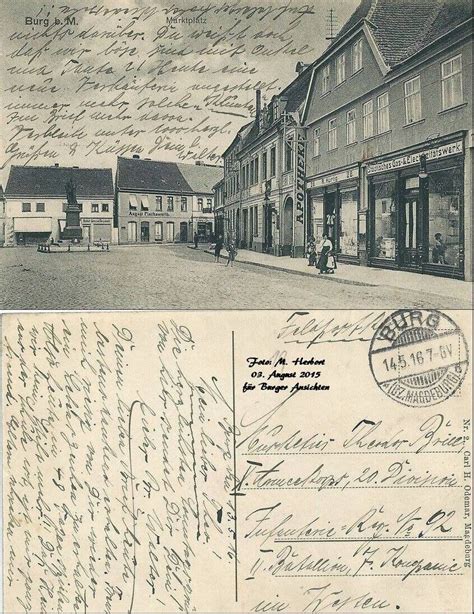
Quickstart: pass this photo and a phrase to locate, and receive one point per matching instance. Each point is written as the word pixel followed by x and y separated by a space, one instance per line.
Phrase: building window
pixel 326 79
pixel 264 165
pixel 273 162
pixel 445 217
pixel 144 205
pixel 40 207
pixel 26 207
pixel 159 203
pixel 289 154
pixel 95 208
pixel 247 175
pixel 412 100
pixel 132 203
pixel 357 56
pixel 105 207
pixel 170 203
pixel 316 142
pixel 351 127
pixel 383 120
pixel 200 204
pixel 184 203
pixel 332 134
pixel 209 205
pixel 158 231
pixel 340 68
pixel 385 219
pixel 80 207
pixel 368 118
pixel 256 169
pixel 451 82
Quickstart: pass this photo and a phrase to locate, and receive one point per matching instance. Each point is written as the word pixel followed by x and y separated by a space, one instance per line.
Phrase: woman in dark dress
pixel 324 250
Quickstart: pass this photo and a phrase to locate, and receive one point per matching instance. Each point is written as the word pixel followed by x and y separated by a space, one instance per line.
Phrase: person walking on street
pixel 196 240
pixel 231 253
pixel 324 250
pixel 217 248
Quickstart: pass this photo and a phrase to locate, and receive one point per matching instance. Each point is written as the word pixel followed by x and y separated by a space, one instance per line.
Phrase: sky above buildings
pixel 173 80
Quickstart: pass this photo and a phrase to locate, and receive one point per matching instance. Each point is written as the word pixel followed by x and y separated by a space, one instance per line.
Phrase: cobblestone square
pixel 176 277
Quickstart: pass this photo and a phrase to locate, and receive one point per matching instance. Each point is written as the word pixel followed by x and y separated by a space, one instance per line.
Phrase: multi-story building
pixel 164 202
pixel 35 203
pixel 390 140
pixel 219 215
pixel 264 170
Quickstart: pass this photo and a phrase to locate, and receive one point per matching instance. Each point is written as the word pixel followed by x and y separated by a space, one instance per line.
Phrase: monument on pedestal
pixel 72 231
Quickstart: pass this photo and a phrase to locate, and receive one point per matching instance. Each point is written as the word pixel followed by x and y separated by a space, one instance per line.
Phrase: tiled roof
pixel 150 175
pixel 135 174
pixel 38 181
pixel 297 90
pixel 403 27
pixel 200 177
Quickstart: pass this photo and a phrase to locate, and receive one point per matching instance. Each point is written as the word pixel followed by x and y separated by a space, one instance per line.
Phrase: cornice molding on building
pixel 41 197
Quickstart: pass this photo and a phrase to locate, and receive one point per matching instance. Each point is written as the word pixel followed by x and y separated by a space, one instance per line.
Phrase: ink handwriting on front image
pixel 148 469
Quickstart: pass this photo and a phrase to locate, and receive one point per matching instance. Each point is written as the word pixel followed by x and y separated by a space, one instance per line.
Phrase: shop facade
pixel 334 210
pixel 416 209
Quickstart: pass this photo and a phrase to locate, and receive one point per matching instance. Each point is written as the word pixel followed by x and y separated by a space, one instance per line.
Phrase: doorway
pixel 409 234
pixel 287 227
pixel 183 232
pixel 145 232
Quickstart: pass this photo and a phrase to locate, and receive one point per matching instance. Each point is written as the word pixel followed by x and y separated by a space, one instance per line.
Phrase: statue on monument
pixel 72 230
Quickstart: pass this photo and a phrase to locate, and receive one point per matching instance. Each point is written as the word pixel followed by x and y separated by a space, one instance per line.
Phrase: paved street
pixel 176 277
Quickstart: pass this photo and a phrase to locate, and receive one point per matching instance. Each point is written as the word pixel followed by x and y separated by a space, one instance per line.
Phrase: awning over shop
pixel 32 224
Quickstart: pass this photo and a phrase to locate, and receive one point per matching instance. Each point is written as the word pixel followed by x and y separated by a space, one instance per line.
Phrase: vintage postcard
pixel 278 461
pixel 321 149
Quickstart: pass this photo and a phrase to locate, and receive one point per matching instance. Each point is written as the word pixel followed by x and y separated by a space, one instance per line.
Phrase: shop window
pixel 384 219
pixel 40 208
pixel 412 100
pixel 26 207
pixel 105 207
pixel 348 223
pixel 170 203
pixel 451 82
pixel 326 79
pixel 132 232
pixel 368 118
pixel 184 203
pixel 332 134
pixel 357 56
pixel 158 231
pixel 273 162
pixel 95 208
pixel 351 135
pixel 255 222
pixel 383 118
pixel 340 68
pixel 159 203
pixel 316 142
pixel 445 193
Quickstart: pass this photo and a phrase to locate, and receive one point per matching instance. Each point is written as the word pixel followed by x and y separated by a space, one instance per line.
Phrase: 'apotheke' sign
pixel 348 173
pixel 443 151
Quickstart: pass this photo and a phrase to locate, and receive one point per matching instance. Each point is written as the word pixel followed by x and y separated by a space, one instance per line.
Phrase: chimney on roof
pixel 300 67
pixel 136 157
pixel 56 164
pixel 258 103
